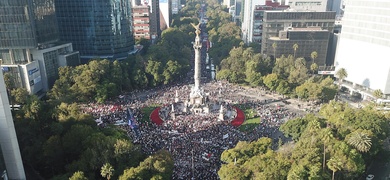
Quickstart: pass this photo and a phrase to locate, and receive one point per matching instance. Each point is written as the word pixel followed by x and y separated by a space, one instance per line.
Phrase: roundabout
pixel 235 121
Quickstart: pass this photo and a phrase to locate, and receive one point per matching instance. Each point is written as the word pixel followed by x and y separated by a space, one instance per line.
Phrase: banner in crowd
pixel 131 120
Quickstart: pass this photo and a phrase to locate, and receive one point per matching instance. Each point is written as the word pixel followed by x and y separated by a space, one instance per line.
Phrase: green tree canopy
pixel 156 166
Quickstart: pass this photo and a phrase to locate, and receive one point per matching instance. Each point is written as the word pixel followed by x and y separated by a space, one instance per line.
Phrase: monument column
pixel 197 48
pixel 8 140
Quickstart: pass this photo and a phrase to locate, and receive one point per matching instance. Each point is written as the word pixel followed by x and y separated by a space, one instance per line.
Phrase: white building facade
pixel 308 5
pixel 247 23
pixel 165 14
pixel 364 45
pixel 8 140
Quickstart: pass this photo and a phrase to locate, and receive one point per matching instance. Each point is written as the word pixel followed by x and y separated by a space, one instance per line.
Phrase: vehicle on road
pixel 370 177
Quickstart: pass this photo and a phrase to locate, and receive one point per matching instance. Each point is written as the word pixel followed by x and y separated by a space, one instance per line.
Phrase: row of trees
pixel 339 144
pixel 156 166
pixel 223 33
pixel 287 75
pixel 59 140
pixel 101 79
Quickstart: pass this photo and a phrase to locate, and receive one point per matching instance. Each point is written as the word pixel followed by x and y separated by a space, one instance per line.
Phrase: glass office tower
pixel 97 29
pixel 29 43
pixel 45 21
pixel 16 24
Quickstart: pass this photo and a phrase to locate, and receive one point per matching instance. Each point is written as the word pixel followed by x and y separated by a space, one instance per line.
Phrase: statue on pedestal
pixel 221 115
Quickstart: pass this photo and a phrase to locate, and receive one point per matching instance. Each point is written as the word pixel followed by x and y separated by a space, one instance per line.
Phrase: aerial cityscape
pixel 194 89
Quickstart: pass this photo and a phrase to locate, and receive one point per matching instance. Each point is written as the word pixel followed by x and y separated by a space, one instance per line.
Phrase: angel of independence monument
pixel 197 95
pixel 198 102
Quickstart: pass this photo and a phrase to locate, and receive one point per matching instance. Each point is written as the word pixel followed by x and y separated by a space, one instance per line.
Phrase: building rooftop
pixel 316 28
pixel 141 6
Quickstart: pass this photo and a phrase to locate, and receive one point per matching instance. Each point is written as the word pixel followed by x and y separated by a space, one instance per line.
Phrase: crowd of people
pixel 196 141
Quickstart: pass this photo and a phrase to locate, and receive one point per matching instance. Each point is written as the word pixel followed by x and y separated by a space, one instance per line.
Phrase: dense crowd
pixel 195 141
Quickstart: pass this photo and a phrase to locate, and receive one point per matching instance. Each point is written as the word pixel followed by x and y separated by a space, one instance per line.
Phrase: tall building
pixel 253 19
pixel 247 21
pixel 176 6
pixel 97 29
pixel 28 37
pixel 364 45
pixel 141 22
pixel 308 40
pixel 153 19
pixel 256 31
pixel 8 140
pixel 165 14
pixel 237 12
pixel 228 3
pixel 154 26
pixel 335 5
pixel 276 21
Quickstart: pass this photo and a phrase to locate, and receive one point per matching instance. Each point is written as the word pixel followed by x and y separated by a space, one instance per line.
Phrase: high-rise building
pixel 97 29
pixel 308 39
pixel 237 12
pixel 248 16
pixel 141 22
pixel 253 19
pixel 256 32
pixel 165 14
pixel 276 21
pixel 364 44
pixel 9 147
pixel 176 6
pixel 335 5
pixel 28 38
pixel 154 26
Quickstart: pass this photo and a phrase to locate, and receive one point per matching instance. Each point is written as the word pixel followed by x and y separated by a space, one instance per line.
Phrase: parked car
pixel 370 177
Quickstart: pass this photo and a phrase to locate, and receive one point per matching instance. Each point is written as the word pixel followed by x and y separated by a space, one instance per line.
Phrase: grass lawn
pixel 250 120
pixel 147 111
pixel 250 124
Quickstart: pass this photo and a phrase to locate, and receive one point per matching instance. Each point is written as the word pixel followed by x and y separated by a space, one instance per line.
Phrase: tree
pixel 294 127
pixel 106 171
pixel 274 46
pixel 33 107
pixel 334 164
pixel 79 175
pixel 9 85
pixel 284 65
pixel 156 166
pixel 171 71
pixel 313 56
pixel 326 137
pixel 224 74
pixel 9 81
pixel 283 87
pixel 377 93
pixel 20 95
pixel 341 74
pixel 295 47
pixel 155 69
pixel 313 67
pixel 360 140
pixel 298 73
pixel 253 77
pixel 271 81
